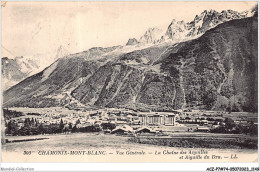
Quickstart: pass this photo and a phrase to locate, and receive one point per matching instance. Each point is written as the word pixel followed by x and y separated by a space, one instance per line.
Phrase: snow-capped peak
pixel 152 35
pixel 201 23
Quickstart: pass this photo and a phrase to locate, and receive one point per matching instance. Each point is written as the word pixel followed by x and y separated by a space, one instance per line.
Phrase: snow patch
pixel 156 68
pixel 49 70
pixel 144 60
pixel 199 24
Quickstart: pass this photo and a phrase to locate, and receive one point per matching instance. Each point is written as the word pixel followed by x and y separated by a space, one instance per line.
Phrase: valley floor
pixel 113 144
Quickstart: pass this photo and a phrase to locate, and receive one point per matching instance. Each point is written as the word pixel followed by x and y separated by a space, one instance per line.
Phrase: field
pixel 79 141
pixel 50 110
pixel 82 141
pixel 13 152
pixel 201 140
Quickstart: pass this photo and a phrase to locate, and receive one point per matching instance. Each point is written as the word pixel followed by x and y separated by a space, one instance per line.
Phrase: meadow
pixel 201 140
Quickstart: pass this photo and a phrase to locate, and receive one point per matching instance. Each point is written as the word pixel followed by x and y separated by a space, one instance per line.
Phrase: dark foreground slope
pixel 216 71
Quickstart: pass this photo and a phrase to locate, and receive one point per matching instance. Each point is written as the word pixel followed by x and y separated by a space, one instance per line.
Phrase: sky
pixel 31 28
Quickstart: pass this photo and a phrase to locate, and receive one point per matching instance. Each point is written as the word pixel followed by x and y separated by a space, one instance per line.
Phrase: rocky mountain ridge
pixel 179 31
pixel 176 32
pixel 15 70
pixel 216 71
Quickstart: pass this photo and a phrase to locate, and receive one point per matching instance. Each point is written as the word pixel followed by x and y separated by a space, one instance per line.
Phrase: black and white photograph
pixel 129 81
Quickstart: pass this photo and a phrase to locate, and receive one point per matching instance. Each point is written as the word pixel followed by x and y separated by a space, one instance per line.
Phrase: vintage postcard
pixel 129 81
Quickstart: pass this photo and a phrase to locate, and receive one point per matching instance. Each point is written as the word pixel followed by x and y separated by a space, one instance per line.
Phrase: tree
pixel 32 122
pixel 25 131
pixel 70 126
pixel 108 126
pixel 27 122
pixel 229 123
pixel 41 129
pixel 12 128
pixel 74 129
pixel 36 123
pixel 78 122
pixel 229 109
pixel 61 126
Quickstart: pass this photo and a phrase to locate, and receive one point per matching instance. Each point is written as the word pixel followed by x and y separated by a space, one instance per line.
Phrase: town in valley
pixel 27 121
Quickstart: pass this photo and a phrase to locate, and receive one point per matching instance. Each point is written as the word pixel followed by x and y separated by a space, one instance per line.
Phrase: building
pixel 122 130
pixel 157 118
pixel 202 129
pixel 145 130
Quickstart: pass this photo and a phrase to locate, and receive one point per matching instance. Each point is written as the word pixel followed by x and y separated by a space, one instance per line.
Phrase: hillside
pixel 20 68
pixel 216 71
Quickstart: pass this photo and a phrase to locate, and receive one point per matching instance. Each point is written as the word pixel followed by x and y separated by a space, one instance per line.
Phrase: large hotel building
pixel 157 118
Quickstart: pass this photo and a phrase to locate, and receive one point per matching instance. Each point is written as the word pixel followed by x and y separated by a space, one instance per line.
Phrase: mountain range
pixel 209 63
pixel 179 31
pixel 16 69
